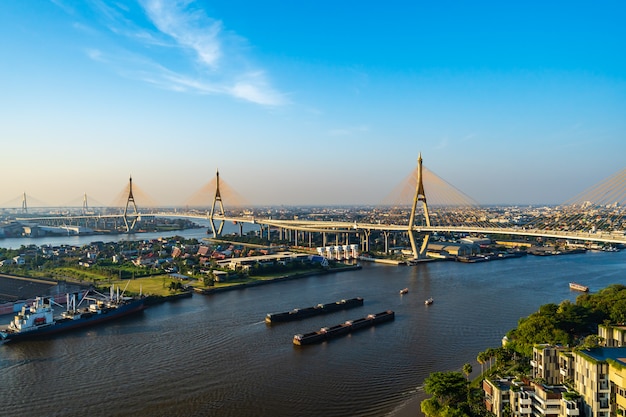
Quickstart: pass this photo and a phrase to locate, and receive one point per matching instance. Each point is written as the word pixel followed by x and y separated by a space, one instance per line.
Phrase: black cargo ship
pixel 302 313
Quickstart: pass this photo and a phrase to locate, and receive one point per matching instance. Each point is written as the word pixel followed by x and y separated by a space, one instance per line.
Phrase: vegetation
pixel 102 264
pixel 568 324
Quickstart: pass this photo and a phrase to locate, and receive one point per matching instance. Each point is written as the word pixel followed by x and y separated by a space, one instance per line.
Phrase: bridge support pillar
pixel 365 241
pixel 386 236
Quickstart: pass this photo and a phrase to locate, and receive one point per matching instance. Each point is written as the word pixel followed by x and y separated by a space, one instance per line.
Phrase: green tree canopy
pixel 448 388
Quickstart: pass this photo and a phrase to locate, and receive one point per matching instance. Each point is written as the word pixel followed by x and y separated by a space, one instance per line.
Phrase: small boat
pixel 578 287
pixel 429 301
pixel 404 291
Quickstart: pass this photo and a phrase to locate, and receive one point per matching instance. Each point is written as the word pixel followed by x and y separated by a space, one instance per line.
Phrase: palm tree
pixel 467 370
pixel 481 358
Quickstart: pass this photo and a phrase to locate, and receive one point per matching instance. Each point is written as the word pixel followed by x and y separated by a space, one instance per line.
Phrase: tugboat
pixel 38 320
pixel 429 301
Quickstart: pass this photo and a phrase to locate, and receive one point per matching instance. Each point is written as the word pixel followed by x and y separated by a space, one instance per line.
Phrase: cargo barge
pixel 327 333
pixel 302 313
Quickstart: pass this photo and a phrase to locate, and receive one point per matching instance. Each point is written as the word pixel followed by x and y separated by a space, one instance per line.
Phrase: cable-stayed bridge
pixel 424 204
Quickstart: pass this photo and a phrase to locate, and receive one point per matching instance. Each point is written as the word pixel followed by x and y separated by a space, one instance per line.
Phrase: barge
pixel 302 313
pixel 327 333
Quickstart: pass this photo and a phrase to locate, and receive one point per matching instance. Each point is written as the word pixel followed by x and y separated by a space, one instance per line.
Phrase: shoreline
pixel 288 277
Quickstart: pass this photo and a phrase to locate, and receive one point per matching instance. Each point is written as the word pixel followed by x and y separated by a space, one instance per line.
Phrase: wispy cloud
pixel 175 45
pixel 349 131
pixel 443 143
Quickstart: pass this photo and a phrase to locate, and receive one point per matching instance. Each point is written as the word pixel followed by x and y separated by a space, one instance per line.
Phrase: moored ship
pixel 578 287
pixel 38 320
pixel 327 333
pixel 301 313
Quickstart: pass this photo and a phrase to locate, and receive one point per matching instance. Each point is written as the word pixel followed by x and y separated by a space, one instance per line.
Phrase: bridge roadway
pixel 317 226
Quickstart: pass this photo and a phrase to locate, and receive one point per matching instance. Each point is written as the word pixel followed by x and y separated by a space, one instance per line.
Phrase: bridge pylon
pixel 24 205
pixel 420 195
pixel 131 199
pixel 217 198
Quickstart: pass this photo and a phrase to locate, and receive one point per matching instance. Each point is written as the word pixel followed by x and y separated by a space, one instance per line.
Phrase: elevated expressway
pixel 354 227
pixel 340 227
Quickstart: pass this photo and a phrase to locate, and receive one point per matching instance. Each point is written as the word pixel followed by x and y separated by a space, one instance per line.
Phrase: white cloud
pixel 191 29
pixel 179 48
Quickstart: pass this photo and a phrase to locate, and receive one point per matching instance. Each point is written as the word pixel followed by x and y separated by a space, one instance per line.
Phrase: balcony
pixel 533 363
pixel 563 371
pixel 572 412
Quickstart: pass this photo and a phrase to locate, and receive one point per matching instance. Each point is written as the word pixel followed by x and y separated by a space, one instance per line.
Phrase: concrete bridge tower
pixel 130 227
pixel 24 205
pixel 420 195
pixel 217 198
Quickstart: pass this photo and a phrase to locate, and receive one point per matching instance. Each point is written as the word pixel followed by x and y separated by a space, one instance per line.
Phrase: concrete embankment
pixel 273 280
pixel 158 299
pixel 382 261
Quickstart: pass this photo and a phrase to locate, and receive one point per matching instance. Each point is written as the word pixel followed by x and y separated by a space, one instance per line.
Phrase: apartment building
pixel 613 336
pixel 545 364
pixel 508 397
pixel 592 378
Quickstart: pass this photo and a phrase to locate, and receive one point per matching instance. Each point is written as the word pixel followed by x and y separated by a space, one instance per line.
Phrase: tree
pixel 481 359
pixel 618 311
pixel 467 370
pixel 448 388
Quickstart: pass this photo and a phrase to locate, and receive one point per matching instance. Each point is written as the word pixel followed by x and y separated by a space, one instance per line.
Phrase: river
pixel 79 240
pixel 215 356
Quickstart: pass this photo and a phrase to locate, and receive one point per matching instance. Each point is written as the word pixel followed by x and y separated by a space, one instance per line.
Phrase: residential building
pixel 545 363
pixel 591 378
pixel 613 336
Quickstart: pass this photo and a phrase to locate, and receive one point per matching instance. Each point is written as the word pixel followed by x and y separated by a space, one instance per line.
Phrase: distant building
pixel 475 240
pixel 452 249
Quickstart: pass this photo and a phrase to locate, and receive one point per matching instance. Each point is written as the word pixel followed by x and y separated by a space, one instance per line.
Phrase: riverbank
pixel 288 277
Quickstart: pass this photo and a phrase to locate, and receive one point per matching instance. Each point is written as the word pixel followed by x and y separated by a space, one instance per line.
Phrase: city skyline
pixel 323 104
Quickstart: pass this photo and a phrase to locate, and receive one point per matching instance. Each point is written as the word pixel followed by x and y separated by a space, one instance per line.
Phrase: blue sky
pixel 326 102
